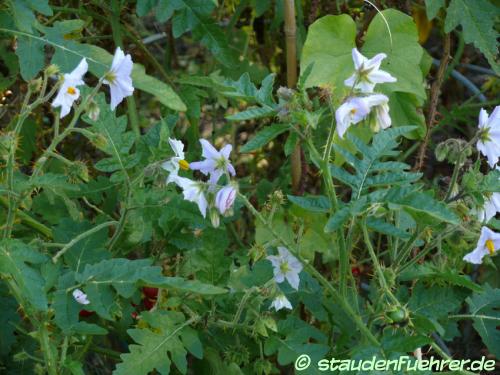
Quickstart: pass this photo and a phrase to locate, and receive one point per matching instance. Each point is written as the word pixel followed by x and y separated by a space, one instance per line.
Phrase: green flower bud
pixel 52 70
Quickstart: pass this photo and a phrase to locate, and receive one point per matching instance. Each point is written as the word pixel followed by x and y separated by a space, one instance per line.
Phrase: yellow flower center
pixel 353 111
pixel 71 90
pixel 110 77
pixel 490 246
pixel 184 165
pixel 284 267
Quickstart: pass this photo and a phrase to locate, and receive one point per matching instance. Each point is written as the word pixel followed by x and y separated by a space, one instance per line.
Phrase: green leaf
pixel 16 261
pixel 334 64
pixel 432 7
pixel 318 203
pixel 252 113
pixel 430 273
pixel 477 18
pixel 424 208
pixel 87 251
pixel 398 342
pixel 423 300
pixel 8 319
pixel 67 309
pixel 485 308
pixel 167 339
pixel 338 219
pixel 264 136
pixel 194 16
pixel 384 227
pixel 116 140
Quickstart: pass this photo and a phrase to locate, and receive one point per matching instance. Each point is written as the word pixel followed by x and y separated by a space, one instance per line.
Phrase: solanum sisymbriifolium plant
pixel 200 187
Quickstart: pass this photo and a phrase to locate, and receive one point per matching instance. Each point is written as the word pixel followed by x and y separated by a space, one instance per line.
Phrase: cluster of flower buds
pixel 208 195
pixel 363 103
pixel 118 78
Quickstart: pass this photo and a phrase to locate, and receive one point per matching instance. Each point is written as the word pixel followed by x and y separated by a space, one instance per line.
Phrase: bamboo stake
pixel 291 77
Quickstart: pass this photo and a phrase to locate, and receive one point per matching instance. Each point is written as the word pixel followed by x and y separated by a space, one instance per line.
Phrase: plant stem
pixel 435 91
pixel 48 354
pixel 80 237
pixel 28 220
pixel 344 304
pixel 376 264
pixel 332 195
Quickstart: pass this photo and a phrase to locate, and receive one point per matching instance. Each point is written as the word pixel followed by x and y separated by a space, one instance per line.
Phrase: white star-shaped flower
pixel 68 92
pixel 118 78
pixel 351 112
pixel 281 302
pixel 193 191
pixel 368 72
pixel 216 163
pixel 80 297
pixel 174 163
pixel 489 141
pixel 286 266
pixel 490 208
pixel 489 243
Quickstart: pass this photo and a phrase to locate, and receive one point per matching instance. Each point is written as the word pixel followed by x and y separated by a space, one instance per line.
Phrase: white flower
pixel 286 266
pixel 216 163
pixel 194 192
pixel 118 78
pixel 368 72
pixel 80 297
pixel 173 164
pixel 225 198
pixel 281 302
pixel 489 243
pixel 68 92
pixel 489 142
pixel 352 111
pixel 379 107
pixel 490 208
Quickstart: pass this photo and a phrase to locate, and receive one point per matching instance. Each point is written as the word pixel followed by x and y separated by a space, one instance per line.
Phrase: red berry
pixel 85 313
pixel 135 315
pixel 150 292
pixel 355 271
pixel 148 303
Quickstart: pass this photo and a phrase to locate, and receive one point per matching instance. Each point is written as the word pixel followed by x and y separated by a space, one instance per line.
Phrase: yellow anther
pixel 490 246
pixel 353 111
pixel 184 165
pixel 71 90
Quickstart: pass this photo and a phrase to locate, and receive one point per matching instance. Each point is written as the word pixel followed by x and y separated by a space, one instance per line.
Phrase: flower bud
pixel 93 111
pixel 214 218
pixel 99 141
pixel 78 171
pixel 35 85
pixel 7 141
pixel 224 200
pixel 52 70
pixel 285 93
pixel 277 198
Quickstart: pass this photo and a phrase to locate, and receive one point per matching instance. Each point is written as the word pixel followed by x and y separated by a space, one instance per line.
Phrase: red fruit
pixel 355 271
pixel 85 313
pixel 135 315
pixel 148 303
pixel 150 292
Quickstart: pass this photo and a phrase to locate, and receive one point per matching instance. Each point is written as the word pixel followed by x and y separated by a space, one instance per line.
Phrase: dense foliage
pixel 194 186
